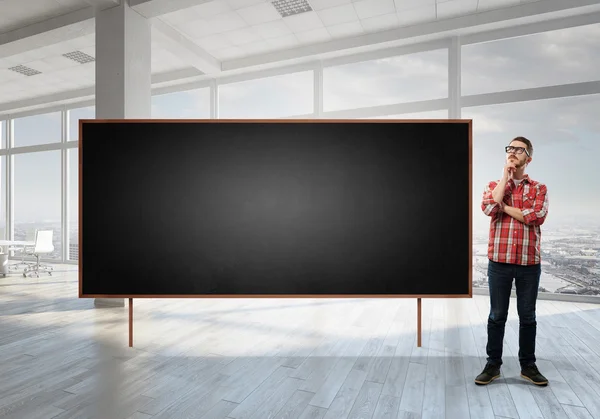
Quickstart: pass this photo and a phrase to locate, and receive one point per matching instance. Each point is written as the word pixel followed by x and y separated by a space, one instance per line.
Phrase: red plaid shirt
pixel 512 241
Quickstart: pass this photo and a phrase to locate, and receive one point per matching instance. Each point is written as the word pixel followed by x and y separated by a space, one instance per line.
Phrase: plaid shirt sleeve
pixel 488 205
pixel 536 215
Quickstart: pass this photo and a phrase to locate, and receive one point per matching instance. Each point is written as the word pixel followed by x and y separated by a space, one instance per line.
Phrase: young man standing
pixel 518 207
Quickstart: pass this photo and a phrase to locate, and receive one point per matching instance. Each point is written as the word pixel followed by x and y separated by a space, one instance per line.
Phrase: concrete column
pixel 454 78
pixel 123 73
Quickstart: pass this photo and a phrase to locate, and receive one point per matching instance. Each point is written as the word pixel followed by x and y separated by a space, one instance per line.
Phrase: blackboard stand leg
pixel 131 322
pixel 419 322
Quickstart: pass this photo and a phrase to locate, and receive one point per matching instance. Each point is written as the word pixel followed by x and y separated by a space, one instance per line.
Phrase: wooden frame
pixel 295 121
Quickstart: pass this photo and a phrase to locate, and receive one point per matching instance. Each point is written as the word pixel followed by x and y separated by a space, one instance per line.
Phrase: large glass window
pixel 3 125
pixel 439 114
pixel 272 97
pixel 556 57
pixel 38 129
pixel 73 224
pixel 3 230
pixel 38 196
pixel 405 78
pixel 189 104
pixel 564 133
pixel 74 116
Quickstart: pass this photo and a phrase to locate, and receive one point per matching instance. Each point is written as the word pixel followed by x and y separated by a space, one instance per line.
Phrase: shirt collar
pixel 525 179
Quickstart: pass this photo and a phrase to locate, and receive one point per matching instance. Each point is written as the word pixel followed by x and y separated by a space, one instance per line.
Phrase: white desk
pixel 4 267
pixel 15 243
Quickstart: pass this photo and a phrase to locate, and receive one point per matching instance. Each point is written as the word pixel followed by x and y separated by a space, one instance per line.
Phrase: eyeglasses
pixel 516 150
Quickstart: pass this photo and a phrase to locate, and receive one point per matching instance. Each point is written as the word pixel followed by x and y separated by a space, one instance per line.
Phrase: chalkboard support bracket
pixel 131 322
pixel 419 322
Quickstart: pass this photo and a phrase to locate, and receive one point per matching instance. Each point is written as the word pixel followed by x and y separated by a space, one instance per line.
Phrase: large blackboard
pixel 275 208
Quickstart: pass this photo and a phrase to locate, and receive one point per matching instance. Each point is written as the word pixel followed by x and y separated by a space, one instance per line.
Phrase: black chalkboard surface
pixel 277 208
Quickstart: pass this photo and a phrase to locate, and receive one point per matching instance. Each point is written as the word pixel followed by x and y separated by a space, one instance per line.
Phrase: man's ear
pixel 529 160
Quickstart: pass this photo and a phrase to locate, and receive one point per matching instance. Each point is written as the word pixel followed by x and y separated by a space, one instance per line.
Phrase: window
pixel 556 57
pixel 566 148
pixel 405 78
pixel 73 202
pixel 439 114
pixel 38 129
pixel 272 97
pixel 74 116
pixel 3 232
pixel 189 104
pixel 3 126
pixel 38 196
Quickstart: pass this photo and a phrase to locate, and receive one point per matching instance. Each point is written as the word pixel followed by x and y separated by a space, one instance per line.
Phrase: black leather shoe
pixel 489 374
pixel 531 373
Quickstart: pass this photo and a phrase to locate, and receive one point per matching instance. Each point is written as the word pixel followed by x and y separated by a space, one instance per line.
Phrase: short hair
pixel 527 142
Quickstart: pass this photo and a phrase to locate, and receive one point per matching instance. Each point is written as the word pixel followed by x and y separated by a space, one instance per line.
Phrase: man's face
pixel 519 160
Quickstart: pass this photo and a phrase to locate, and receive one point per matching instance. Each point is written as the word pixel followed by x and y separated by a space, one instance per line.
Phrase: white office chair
pixel 30 237
pixel 43 246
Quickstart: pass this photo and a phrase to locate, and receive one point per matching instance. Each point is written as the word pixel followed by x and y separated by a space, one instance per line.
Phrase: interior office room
pixel 513 67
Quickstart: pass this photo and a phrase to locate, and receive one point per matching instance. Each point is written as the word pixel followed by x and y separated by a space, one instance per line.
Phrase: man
pixel 518 207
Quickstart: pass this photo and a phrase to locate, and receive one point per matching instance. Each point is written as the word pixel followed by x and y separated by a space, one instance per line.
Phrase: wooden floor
pixel 259 359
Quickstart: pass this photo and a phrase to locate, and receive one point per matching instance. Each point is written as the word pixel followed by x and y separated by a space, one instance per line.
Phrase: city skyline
pixel 570 257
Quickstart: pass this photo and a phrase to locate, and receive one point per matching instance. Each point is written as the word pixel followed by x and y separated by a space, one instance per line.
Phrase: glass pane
pixel 190 104
pixel 440 114
pixel 564 133
pixel 3 232
pixel 556 57
pixel 272 97
pixel 73 236
pixel 38 195
pixel 3 134
pixel 37 129
pixel 406 78
pixel 74 116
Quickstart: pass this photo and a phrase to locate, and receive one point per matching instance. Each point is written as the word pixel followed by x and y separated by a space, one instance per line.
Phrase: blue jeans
pixel 527 281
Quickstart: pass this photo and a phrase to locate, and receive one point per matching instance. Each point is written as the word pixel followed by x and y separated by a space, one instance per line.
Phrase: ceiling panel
pixel 314 36
pixel 240 4
pixel 413 4
pixel 272 29
pixel 370 8
pixel 414 15
pixel 258 47
pixel 346 30
pixel 338 14
pixel 286 41
pixel 326 4
pixel 209 9
pixel 304 22
pixel 243 36
pixel 8 77
pixel 259 13
pixel 380 22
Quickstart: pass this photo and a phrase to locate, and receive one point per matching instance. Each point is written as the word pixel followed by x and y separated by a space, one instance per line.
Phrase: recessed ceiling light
pixel 291 7
pixel 80 57
pixel 27 71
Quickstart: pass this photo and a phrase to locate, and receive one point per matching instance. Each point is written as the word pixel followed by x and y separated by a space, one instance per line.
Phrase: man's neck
pixel 519 175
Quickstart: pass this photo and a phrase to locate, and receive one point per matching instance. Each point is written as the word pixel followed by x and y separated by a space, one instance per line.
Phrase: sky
pixel 565 132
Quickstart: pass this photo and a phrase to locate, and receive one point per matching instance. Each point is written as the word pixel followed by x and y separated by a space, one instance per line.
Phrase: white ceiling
pixel 15 14
pixel 234 33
